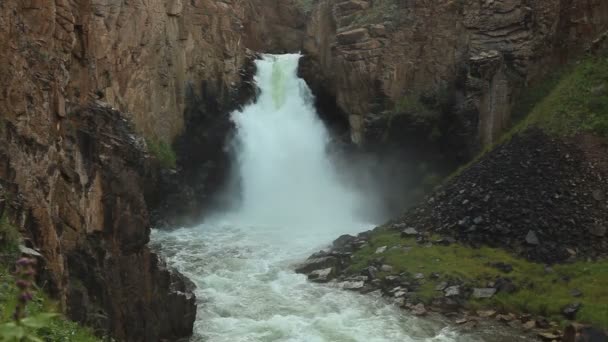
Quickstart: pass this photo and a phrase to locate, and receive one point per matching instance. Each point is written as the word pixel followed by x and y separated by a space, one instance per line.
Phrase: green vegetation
pixel 577 103
pixel 40 322
pixel 163 152
pixel 570 101
pixel 540 292
pixel 44 323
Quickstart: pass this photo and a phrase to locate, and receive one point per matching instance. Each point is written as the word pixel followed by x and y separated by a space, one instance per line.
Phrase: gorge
pixel 293 201
pixel 118 116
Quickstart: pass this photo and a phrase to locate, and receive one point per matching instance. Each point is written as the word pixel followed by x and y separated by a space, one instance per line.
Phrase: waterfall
pixel 285 172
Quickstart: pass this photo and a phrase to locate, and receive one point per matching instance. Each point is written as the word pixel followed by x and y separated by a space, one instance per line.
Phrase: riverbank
pixel 519 235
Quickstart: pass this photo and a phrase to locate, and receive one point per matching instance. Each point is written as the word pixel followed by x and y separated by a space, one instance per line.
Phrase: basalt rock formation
pixel 451 69
pixel 75 75
pixel 82 207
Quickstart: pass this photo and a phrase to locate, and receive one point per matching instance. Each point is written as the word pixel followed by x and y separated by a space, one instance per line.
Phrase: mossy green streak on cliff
pixel 163 152
pixel 541 291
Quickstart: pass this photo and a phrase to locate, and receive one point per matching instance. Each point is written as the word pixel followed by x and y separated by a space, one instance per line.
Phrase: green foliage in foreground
pixel 42 323
pixel 163 152
pixel 540 292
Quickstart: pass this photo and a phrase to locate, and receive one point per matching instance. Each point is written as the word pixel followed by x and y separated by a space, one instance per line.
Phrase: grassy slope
pixel 574 101
pixel 60 329
pixel 540 292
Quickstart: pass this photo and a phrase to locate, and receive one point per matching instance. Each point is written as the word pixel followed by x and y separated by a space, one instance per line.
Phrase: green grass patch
pixel 540 292
pixel 578 102
pixel 163 152
pixel 58 329
pixel 572 100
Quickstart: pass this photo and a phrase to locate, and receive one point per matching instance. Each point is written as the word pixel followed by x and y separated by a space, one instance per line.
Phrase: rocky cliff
pixel 83 81
pixel 451 68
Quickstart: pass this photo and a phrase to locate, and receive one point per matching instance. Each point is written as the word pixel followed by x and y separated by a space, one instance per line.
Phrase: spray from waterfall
pixel 286 175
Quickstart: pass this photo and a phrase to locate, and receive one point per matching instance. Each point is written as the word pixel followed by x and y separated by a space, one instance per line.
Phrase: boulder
pixel 452 291
pixel 419 310
pixel 571 310
pixel 409 232
pixel 317 263
pixel 322 276
pixel 531 238
pixel 480 293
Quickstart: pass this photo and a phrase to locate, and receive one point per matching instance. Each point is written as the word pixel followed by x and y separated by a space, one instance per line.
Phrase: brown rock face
pixel 377 56
pixel 78 165
pixel 83 207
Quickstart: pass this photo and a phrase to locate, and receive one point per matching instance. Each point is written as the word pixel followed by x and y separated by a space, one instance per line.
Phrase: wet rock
pixel 313 264
pixel 419 310
pixel 571 310
pixel 479 293
pixel 353 285
pixel 344 242
pixel 418 276
pixel 461 320
pixel 370 271
pixel 531 238
pixel 322 276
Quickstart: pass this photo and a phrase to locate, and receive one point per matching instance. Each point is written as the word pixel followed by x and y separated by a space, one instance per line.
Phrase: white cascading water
pixel 292 204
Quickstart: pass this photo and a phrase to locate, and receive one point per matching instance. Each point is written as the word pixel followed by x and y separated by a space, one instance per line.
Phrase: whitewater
pixel 291 202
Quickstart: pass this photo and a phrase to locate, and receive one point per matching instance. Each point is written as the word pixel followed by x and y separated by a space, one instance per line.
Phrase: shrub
pixel 163 152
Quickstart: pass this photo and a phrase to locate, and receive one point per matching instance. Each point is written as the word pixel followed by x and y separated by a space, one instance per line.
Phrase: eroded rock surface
pixel 82 207
pixel 389 63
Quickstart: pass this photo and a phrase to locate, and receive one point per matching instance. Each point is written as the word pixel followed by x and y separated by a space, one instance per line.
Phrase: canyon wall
pixel 83 82
pixel 384 60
